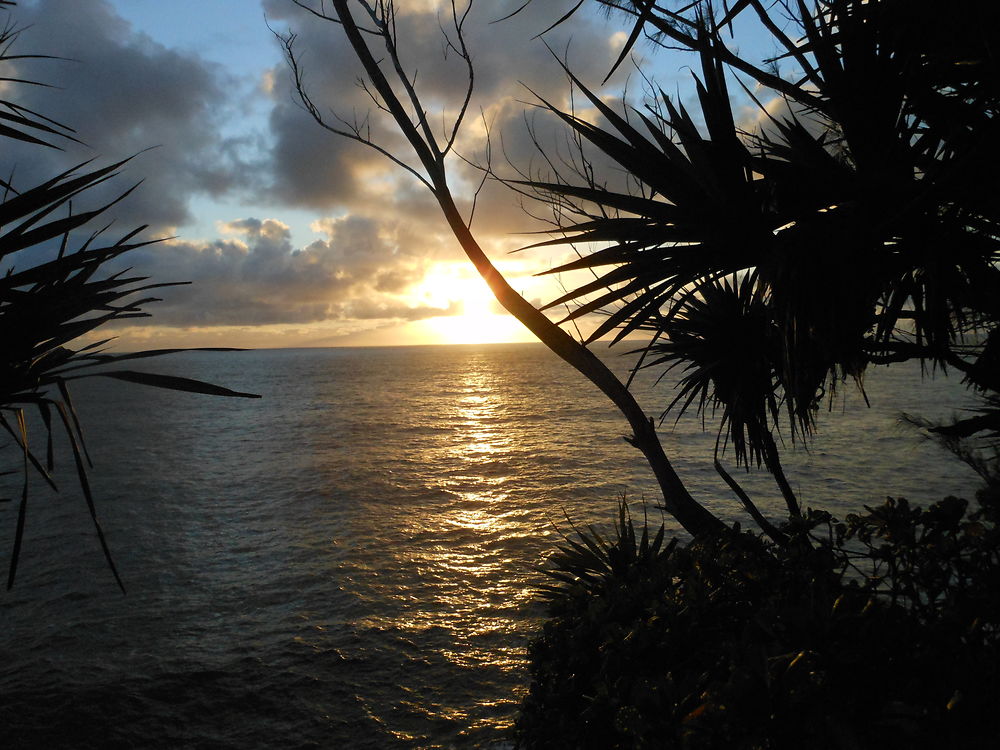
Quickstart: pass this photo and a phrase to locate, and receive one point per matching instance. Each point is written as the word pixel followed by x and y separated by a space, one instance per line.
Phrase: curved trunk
pixel 693 516
pixel 773 463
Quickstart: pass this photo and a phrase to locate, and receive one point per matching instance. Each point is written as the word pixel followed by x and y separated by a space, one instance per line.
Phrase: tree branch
pixel 693 516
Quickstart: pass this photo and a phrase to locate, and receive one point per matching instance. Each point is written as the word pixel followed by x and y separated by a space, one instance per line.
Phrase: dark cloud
pixel 123 92
pixel 313 167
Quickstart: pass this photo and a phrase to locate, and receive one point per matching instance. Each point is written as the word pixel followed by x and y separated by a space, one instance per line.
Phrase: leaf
pixel 562 20
pixel 81 472
pixel 98 359
pixel 644 15
pixel 35 463
pixel 170 382
pixel 23 506
pixel 64 392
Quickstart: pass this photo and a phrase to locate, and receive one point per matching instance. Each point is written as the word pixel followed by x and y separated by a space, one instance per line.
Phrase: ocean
pixel 352 560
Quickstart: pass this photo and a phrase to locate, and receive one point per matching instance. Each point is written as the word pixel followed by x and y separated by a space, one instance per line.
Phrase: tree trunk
pixel 773 463
pixel 693 516
pixel 677 501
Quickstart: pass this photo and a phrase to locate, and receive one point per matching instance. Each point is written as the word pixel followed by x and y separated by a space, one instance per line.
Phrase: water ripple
pixel 351 561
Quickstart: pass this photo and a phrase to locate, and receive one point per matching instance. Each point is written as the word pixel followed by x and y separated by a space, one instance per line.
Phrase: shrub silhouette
pixel 879 632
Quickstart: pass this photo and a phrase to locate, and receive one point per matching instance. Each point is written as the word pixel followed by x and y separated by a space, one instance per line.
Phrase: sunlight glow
pixel 480 322
pixel 477 328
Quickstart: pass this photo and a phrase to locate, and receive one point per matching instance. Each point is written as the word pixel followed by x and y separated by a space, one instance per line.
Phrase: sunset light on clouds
pixel 292 236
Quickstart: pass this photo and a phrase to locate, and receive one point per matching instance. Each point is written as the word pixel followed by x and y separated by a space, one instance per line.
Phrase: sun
pixel 480 320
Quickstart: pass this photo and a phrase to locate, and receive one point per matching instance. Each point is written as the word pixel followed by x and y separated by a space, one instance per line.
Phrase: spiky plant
pixel 588 561
pixel 725 344
pixel 47 305
pixel 859 212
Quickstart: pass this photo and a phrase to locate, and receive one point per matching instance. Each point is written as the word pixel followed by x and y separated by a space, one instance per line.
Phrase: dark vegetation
pixel 879 632
pixel 852 230
pixel 769 263
pixel 55 289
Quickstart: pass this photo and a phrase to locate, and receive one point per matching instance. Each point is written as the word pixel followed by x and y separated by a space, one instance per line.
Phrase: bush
pixel 879 632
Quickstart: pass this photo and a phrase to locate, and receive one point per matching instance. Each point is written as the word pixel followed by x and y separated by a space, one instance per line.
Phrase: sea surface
pixel 351 561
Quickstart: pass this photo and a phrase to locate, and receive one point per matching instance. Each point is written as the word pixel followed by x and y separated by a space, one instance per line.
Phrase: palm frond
pixel 858 211
pixel 56 289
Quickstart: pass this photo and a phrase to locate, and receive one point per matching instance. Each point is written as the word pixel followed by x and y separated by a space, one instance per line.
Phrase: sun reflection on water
pixel 479 417
pixel 444 577
pixel 457 555
pixel 477 518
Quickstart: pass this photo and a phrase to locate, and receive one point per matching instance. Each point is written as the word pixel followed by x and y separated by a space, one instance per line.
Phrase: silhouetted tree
pixel 385 76
pixel 853 227
pixel 767 264
pixel 770 264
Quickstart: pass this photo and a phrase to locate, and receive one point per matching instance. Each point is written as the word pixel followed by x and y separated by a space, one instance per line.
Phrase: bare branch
pixel 350 131
pixel 321 13
pixel 383 15
pixel 463 52
pixel 414 128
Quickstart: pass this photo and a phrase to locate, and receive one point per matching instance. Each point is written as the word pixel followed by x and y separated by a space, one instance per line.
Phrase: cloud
pixel 379 230
pixel 315 168
pixel 123 93
pixel 253 276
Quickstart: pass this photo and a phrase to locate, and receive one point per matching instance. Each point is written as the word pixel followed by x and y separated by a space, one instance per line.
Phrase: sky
pixel 290 235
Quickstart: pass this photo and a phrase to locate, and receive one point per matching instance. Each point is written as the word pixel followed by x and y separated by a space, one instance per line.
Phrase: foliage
pixel 769 265
pixel 56 288
pixel 724 342
pixel 879 632
pixel 850 221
